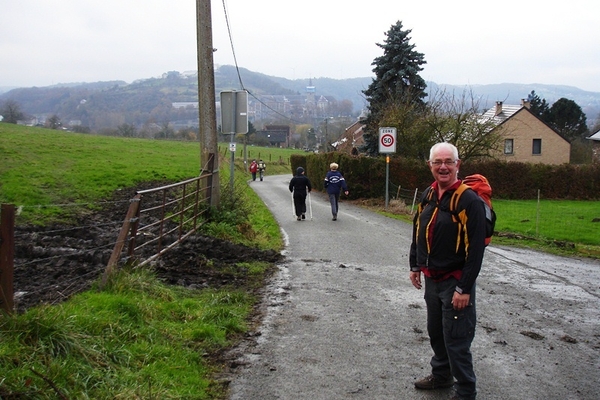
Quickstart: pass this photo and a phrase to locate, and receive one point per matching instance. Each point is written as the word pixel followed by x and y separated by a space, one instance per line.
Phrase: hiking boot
pixel 431 382
pixel 303 216
pixel 334 217
pixel 298 218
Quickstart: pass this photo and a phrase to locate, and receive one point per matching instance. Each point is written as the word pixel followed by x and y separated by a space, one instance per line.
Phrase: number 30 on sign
pixel 387 140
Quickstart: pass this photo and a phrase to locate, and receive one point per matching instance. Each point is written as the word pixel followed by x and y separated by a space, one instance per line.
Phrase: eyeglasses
pixel 438 163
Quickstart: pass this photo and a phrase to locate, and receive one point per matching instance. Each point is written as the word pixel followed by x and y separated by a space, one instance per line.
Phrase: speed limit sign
pixel 387 140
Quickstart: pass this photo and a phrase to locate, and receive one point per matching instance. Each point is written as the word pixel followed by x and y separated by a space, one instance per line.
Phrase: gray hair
pixel 446 145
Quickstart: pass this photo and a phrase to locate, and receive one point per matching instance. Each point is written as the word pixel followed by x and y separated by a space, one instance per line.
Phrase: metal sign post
pixel 387 144
pixel 234 120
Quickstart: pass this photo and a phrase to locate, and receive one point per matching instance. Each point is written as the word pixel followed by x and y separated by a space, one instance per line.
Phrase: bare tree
pixel 53 122
pixel 458 120
pixel 126 130
pixel 11 112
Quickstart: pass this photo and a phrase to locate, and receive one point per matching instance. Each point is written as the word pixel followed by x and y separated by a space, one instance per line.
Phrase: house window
pixel 537 147
pixel 508 146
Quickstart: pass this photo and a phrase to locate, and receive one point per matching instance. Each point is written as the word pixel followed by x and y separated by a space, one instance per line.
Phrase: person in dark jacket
pixel 449 255
pixel 335 183
pixel 300 186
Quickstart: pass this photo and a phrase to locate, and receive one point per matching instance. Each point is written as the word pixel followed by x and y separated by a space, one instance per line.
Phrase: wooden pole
pixel 209 146
pixel 116 254
pixel 7 255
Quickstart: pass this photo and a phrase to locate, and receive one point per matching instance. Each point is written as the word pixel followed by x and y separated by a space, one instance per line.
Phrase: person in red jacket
pixel 253 169
pixel 449 255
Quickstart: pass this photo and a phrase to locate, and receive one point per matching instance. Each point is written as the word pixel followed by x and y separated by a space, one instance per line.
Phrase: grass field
pixel 573 221
pixel 43 170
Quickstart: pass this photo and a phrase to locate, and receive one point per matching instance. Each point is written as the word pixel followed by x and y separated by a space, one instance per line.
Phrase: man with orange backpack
pixel 447 248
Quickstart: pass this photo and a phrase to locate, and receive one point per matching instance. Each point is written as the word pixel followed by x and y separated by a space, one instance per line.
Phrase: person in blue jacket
pixel 335 183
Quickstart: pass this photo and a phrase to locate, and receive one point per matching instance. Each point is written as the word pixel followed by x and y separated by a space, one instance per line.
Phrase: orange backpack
pixel 481 186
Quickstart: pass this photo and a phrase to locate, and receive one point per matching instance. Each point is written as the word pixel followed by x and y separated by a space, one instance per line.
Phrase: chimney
pixel 498 108
pixel 525 103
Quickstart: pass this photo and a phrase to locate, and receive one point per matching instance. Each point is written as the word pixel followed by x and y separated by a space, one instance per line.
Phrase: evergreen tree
pixel 564 116
pixel 567 118
pixel 397 71
pixel 539 107
pixel 397 80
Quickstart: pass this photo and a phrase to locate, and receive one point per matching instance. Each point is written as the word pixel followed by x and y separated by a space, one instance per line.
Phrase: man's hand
pixel 460 301
pixel 415 279
pixel 346 193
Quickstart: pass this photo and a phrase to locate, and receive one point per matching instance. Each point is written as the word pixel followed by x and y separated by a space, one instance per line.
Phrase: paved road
pixel 343 322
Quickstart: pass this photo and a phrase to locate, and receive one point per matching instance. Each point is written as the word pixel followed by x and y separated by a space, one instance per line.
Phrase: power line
pixel 239 74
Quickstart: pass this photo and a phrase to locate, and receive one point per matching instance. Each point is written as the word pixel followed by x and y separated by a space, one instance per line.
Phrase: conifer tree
pixel 567 118
pixel 397 80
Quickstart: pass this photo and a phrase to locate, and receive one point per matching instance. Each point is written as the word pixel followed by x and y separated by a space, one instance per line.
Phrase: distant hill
pixel 103 105
pixel 512 93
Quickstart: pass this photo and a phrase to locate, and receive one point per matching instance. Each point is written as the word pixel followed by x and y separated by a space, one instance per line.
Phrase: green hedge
pixel 509 180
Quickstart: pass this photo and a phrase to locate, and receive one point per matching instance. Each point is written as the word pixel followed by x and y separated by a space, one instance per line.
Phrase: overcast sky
pixel 465 42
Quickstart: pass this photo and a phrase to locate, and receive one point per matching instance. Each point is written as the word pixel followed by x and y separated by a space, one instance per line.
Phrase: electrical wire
pixel 239 74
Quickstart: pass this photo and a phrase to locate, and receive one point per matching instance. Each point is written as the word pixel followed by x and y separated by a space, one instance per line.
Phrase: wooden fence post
pixel 7 254
pixel 114 258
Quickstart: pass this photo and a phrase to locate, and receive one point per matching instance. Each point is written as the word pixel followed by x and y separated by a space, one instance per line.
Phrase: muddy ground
pixel 56 262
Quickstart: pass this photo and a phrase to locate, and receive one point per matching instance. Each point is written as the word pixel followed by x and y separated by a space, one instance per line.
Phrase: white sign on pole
pixel 387 140
pixel 232 147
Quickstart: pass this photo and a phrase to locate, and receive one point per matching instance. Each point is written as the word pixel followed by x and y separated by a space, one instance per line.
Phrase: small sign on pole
pixel 387 145
pixel 387 140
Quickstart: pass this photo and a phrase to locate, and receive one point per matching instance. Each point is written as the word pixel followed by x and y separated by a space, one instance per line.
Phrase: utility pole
pixel 209 147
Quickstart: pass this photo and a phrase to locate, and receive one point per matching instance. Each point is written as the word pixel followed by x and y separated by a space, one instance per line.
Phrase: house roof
pixel 507 111
pixel 502 112
pixel 595 136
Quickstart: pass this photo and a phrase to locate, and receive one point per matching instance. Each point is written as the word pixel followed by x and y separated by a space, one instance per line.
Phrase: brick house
pixel 526 137
pixel 351 139
pixel 595 138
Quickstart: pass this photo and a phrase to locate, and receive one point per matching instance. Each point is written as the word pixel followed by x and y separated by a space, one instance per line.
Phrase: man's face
pixel 444 167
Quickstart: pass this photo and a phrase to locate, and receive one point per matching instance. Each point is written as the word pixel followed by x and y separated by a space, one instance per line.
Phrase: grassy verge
pixel 137 338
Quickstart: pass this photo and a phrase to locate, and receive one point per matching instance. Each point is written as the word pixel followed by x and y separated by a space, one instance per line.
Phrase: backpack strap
pixel 456 197
pixel 426 199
